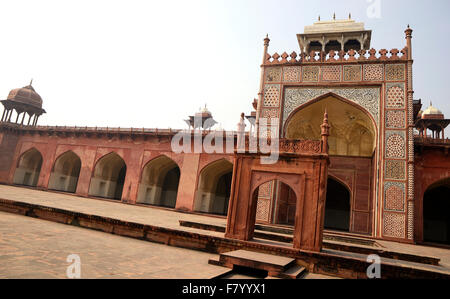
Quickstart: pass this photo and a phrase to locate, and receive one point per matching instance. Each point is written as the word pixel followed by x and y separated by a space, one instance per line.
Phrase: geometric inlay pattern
pixel 269 113
pixel 292 74
pixel 395 170
pixel 271 95
pixel 395 119
pixel 373 72
pixel 311 73
pixel 368 98
pixel 394 197
pixel 331 73
pixel 410 220
pixel 273 74
pixel 394 225
pixel 352 73
pixel 395 72
pixel 395 145
pixel 263 210
pixel 265 190
pixel 395 97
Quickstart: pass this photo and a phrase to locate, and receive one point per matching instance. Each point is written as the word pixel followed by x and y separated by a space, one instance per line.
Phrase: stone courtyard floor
pixel 30 247
pixel 35 248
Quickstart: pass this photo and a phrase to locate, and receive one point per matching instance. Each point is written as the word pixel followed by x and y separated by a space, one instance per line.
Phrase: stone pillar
pixel 188 182
pixel 261 85
pixel 4 113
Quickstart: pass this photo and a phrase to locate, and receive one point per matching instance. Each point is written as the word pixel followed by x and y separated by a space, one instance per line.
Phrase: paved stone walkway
pixel 34 248
pixel 116 210
pixel 165 218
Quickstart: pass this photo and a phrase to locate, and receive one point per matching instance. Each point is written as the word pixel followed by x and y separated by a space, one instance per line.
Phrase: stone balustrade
pixel 337 56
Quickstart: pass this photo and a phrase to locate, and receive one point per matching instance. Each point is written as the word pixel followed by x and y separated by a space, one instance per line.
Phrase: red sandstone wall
pixel 8 144
pixel 431 166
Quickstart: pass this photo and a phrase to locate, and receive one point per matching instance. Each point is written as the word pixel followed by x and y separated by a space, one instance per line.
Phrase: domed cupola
pixel 25 95
pixel 432 113
pixel 23 101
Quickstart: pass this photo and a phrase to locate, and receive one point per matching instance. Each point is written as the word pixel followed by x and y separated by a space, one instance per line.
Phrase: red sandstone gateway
pixel 365 172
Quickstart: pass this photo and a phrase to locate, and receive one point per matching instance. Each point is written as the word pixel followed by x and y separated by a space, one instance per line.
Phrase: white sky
pixel 152 63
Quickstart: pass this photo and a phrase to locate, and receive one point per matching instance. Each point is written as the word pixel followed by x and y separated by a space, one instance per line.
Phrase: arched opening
pixel 352 148
pixel 28 168
pixel 352 131
pixel 352 44
pixel 109 177
pixel 214 188
pixel 333 45
pixel 65 172
pixel 315 46
pixel 159 183
pixel 436 213
pixel 337 207
pixel 285 206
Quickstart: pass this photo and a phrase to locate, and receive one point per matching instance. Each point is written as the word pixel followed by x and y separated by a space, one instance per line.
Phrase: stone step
pixel 295 272
pixel 274 265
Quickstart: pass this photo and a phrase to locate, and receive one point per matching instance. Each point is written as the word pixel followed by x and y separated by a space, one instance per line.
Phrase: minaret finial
pixel 31 82
pixel 319 18
pixel 350 16
pixel 334 16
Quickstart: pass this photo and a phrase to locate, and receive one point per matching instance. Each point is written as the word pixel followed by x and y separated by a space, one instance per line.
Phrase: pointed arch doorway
pixel 352 150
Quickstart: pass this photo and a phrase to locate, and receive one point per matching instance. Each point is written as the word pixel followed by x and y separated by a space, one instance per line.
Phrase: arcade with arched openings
pixel 159 183
pixel 28 168
pixel 65 173
pixel 214 187
pixel 109 177
pixel 352 148
pixel 436 213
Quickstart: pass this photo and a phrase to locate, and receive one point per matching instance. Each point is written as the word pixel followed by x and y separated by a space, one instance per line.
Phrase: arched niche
pixel 436 213
pixel 214 187
pixel 352 130
pixel 65 173
pixel 337 206
pixel 159 183
pixel 28 168
pixel 108 178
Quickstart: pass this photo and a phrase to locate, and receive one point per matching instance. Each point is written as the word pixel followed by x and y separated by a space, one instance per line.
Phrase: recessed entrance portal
pixel 214 187
pixel 28 168
pixel 436 213
pixel 64 176
pixel 109 177
pixel 337 206
pixel 352 150
pixel 285 205
pixel 159 183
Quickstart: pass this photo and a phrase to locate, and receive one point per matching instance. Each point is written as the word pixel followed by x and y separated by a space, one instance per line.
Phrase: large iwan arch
pixel 108 178
pixel 352 131
pixel 28 168
pixel 65 173
pixel 159 183
pixel 214 187
pixel 353 155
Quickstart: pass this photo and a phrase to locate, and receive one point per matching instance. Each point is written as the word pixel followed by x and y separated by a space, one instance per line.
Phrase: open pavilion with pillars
pixel 378 180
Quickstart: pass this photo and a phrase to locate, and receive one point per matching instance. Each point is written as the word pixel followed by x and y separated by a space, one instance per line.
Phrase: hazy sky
pixel 152 63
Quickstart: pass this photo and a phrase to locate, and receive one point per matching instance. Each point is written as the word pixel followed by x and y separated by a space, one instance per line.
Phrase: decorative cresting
pixel 337 56
pixel 303 166
pixel 368 98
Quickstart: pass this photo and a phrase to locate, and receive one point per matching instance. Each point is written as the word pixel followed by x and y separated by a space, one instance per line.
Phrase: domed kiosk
pixel 24 101
pixel 432 119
